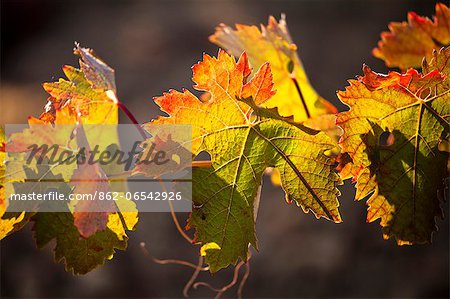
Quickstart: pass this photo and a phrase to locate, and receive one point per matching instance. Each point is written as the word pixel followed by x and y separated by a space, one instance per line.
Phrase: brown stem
pixel 243 280
pixel 175 219
pixel 297 86
pixel 193 277
pixel 219 292
pixel 132 118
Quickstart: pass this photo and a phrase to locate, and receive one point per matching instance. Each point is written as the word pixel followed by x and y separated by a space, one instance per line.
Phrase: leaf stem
pixel 302 98
pixel 174 217
pixel 133 119
pixel 122 219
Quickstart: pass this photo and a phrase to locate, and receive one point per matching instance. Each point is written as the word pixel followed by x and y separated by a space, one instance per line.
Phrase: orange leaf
pixel 408 42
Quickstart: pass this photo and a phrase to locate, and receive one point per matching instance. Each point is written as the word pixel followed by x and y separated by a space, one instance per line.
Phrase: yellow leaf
pixel 274 44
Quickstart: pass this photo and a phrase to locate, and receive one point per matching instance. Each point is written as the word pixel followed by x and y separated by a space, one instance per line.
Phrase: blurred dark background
pixel 152 45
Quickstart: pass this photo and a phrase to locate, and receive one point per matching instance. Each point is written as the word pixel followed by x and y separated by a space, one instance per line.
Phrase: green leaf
pixel 393 132
pixel 82 255
pixel 243 140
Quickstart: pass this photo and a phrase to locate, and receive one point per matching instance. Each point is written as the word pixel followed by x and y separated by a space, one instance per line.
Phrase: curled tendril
pixel 199 267
pixel 171 261
pixel 194 276
pixel 221 291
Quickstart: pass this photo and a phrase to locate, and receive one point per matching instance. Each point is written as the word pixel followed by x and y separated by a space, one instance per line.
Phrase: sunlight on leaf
pixel 244 139
pixel 408 42
pixel 273 44
pixel 404 172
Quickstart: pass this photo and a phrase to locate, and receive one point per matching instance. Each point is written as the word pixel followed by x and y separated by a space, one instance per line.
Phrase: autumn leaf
pixel 90 97
pixel 43 133
pixel 85 239
pixel 6 225
pixel 89 92
pixel 395 145
pixel 273 44
pixel 87 100
pixel 82 255
pixel 45 139
pixel 243 139
pixel 91 216
pixel 170 141
pixel 408 42
pixel 96 71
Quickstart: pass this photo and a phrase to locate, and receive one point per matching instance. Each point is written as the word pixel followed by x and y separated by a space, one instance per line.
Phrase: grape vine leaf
pixel 274 44
pixel 89 92
pixel 243 140
pixel 408 42
pixel 91 216
pixel 40 132
pixel 87 98
pixel 6 225
pixel 396 145
pixel 90 96
pixel 82 255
